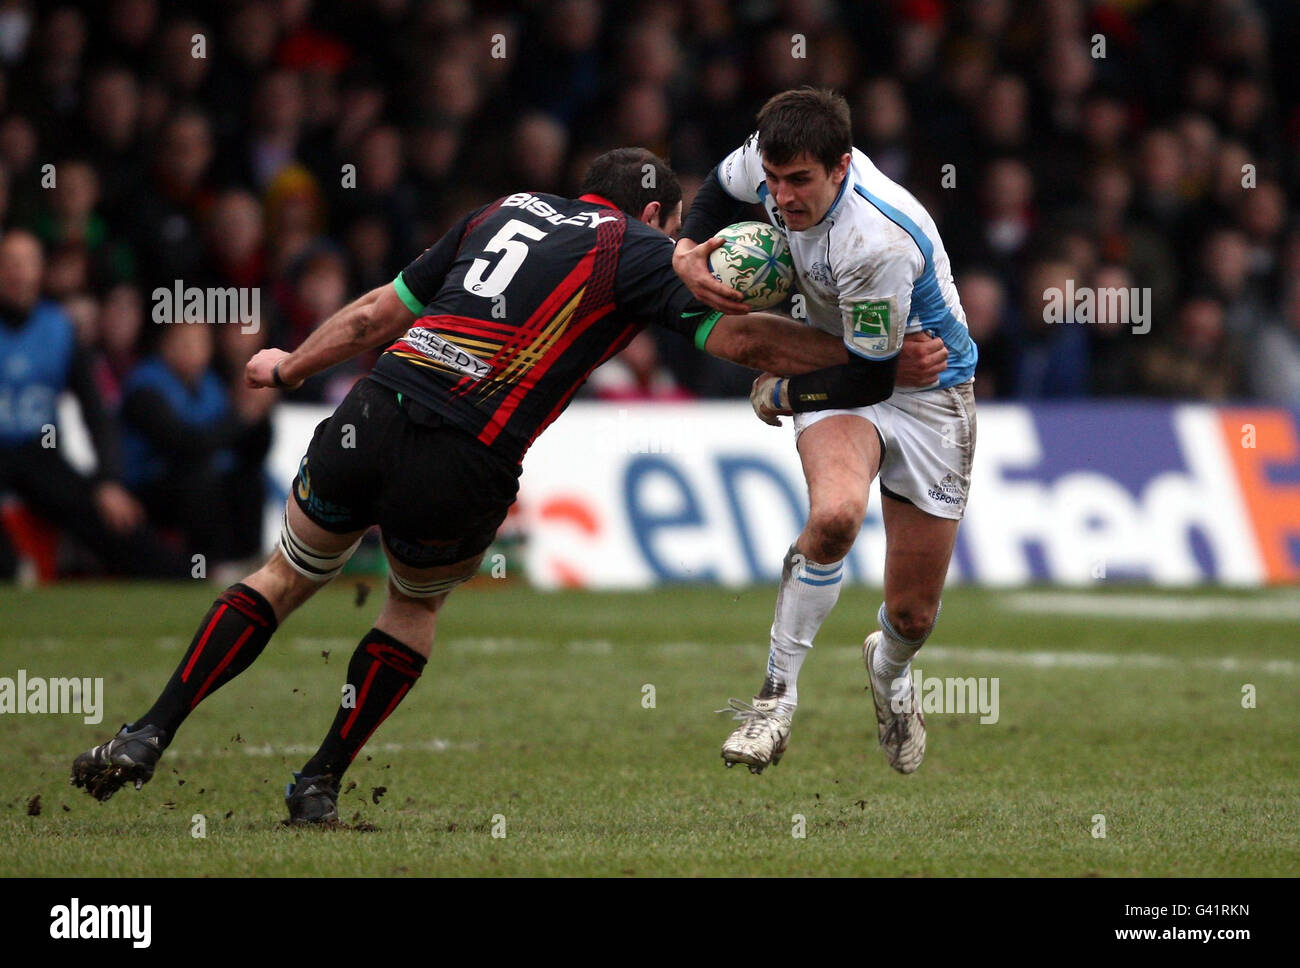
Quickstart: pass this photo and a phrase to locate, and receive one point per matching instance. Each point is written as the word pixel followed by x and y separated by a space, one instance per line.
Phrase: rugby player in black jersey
pixel 489 334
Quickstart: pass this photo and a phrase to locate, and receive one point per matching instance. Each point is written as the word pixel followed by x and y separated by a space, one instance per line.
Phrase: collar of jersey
pixel 597 200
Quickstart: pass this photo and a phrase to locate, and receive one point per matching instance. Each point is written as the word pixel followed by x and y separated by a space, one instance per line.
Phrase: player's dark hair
pixel 806 120
pixel 632 178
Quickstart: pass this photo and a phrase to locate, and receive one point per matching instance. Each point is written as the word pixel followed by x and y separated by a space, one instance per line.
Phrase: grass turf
pixel 532 720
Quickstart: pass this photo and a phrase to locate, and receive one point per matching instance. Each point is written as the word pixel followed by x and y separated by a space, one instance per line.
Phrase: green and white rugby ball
pixel 755 261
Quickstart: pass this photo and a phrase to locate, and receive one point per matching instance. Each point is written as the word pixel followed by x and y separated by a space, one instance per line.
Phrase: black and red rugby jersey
pixel 519 302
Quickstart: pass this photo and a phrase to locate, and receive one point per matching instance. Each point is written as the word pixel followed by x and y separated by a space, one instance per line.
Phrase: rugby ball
pixel 755 261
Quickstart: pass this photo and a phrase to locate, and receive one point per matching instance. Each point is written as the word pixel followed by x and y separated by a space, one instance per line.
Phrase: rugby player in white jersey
pixel 871 268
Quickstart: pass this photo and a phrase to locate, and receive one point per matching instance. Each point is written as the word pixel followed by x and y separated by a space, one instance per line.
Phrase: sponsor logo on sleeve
pixel 871 326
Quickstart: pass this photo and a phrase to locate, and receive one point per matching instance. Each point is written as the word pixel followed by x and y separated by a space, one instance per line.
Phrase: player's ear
pixel 842 168
pixel 650 215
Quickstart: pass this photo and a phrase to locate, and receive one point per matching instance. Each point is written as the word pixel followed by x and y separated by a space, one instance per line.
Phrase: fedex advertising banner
pixel 630 495
pixel 621 496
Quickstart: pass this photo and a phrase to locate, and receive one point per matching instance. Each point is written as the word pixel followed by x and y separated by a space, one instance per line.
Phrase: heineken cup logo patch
pixel 871 326
pixel 871 318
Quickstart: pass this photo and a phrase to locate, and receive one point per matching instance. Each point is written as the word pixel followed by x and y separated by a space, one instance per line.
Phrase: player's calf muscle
pixel 282 586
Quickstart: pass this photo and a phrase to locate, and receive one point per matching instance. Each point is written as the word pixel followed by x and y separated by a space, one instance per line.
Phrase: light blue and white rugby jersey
pixel 874 261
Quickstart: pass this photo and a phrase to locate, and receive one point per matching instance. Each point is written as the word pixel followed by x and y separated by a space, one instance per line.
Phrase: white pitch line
pixel 267 750
pixel 434 745
pixel 1106 660
pixel 1182 608
pixel 1041 659
pixel 493 646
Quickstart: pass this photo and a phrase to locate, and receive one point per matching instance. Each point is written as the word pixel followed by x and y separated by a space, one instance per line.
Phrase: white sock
pixel 807 593
pixel 893 659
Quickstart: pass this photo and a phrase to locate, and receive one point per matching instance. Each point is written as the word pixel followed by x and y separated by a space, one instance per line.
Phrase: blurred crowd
pixel 310 149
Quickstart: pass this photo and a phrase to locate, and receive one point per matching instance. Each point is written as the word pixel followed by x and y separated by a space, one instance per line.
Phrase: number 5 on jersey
pixel 513 254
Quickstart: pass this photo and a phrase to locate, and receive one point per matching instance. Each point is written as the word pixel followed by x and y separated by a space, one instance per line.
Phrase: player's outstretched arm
pixel 378 317
pixel 774 344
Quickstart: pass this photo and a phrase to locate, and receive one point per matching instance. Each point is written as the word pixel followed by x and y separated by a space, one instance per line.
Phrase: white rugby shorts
pixel 929 438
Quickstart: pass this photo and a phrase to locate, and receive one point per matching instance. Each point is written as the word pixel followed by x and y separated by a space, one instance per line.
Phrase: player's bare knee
pixel 833 530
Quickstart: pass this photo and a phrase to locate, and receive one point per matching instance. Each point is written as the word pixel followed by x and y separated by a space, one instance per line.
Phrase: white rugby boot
pixel 761 737
pixel 901 733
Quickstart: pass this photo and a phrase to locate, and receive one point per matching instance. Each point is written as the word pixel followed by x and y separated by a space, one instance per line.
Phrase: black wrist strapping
pixel 858 383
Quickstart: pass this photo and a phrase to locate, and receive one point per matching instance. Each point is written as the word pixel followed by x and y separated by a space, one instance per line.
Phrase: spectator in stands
pixel 168 213
pixel 370 253
pixel 320 289
pixel 537 157
pixel 1262 218
pixel 57 61
pixel 18 146
pixel 1225 270
pixel 71 224
pixel 560 69
pixel 1160 199
pixel 295 218
pixel 235 253
pixel 181 71
pixel 1054 359
pixel 998 231
pixel 195 448
pixel 112 119
pixel 131 26
pixel 984 298
pixel 636 374
pixel 1201 360
pixel 381 185
pixel 1275 355
pixel 1125 241
pixel 277 126
pixel 882 118
pixel 121 321
pixel 39 361
pixel 1114 371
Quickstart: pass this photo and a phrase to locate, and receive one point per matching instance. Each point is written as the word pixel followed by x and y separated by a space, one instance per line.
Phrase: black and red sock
pixel 381 673
pixel 232 635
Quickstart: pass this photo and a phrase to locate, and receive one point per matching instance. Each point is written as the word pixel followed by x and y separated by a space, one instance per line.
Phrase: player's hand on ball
pixel 770 396
pixel 691 263
pixel 260 371
pixel 923 358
